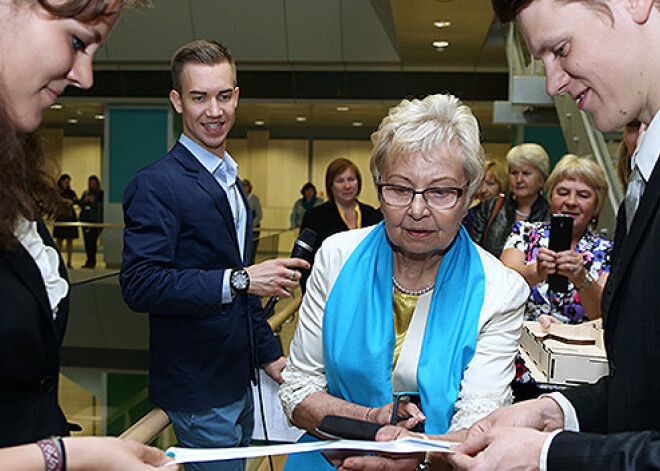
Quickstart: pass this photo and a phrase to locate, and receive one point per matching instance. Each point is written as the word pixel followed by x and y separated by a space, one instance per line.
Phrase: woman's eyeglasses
pixel 439 197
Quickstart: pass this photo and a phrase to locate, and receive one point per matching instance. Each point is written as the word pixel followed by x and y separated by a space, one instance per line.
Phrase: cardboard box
pixel 564 354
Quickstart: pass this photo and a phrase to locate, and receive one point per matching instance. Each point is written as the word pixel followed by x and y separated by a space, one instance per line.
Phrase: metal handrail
pixel 156 420
pixel 148 427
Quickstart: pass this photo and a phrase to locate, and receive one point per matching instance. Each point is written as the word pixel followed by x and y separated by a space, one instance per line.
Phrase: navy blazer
pixel 29 347
pixel 178 241
pixel 624 405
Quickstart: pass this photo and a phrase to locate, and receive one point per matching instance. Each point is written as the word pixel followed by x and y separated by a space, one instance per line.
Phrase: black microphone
pixel 305 246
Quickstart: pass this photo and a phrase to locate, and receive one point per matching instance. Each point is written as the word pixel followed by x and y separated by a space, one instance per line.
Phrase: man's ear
pixel 175 99
pixel 640 10
pixel 236 92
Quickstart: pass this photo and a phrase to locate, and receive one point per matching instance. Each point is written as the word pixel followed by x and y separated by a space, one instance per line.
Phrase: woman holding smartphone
pixel 576 188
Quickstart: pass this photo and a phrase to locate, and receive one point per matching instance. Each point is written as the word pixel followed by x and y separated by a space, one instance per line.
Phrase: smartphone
pixel 561 230
pixel 336 427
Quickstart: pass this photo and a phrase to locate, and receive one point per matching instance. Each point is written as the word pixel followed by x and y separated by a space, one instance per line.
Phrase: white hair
pixel 424 126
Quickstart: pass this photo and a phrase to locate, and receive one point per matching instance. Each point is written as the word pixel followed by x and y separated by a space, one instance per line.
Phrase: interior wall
pixel 277 169
pixel 80 158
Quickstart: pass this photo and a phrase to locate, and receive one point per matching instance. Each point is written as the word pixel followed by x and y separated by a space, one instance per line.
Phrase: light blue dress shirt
pixel 225 172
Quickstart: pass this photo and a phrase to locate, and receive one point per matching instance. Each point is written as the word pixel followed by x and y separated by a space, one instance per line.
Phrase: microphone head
pixel 306 245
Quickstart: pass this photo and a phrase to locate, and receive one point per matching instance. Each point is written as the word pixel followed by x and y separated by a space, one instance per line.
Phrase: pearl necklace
pixel 412 292
pixel 521 214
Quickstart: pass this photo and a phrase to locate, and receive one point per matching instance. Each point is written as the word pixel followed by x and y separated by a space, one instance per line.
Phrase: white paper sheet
pixel 405 445
pixel 278 428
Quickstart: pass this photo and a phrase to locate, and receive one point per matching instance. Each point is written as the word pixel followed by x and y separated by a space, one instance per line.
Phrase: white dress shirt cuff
pixel 543 464
pixel 571 423
pixel 226 290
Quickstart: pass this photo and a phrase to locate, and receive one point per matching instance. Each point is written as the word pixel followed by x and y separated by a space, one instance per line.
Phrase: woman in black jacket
pixel 343 211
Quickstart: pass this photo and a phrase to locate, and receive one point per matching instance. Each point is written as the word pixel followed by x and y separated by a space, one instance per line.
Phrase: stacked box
pixel 564 354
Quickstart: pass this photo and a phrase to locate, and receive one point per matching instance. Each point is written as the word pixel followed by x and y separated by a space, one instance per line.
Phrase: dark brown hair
pixel 336 167
pixel 27 185
pixel 507 10
pixel 199 52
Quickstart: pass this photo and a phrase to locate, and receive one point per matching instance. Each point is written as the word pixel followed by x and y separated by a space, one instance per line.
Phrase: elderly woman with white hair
pixel 411 304
pixel 529 166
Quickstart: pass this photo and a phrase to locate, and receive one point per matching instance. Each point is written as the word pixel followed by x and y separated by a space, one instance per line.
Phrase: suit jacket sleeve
pixel 619 451
pixel 590 403
pixel 150 279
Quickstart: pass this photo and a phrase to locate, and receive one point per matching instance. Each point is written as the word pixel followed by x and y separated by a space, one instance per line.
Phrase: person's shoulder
pixel 346 241
pixel 370 215
pixel 498 274
pixel 531 227
pixel 321 210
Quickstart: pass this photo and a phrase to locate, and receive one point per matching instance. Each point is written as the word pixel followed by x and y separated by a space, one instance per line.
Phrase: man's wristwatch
pixel 239 280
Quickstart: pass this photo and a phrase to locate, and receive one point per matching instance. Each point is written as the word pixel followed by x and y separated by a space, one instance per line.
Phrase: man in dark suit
pixel 618 419
pixel 598 52
pixel 186 251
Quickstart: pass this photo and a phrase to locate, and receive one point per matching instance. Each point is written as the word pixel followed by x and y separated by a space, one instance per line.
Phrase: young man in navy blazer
pixel 187 245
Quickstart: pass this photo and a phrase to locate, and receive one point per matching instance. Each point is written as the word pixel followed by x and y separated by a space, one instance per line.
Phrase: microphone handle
pixel 270 306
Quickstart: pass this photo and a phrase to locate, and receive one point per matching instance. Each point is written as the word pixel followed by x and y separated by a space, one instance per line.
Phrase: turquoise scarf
pixel 358 328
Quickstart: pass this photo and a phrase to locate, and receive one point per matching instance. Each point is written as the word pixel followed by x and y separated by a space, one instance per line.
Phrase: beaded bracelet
pixel 54 455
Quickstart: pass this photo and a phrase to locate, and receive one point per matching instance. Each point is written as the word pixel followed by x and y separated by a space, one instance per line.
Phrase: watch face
pixel 240 280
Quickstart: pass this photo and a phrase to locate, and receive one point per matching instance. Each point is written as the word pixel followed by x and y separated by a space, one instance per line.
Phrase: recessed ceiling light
pixel 260 122
pixel 72 121
pixel 301 119
pixel 99 116
pixel 440 45
pixel 56 106
pixel 343 108
pixel 442 24
pixel 358 124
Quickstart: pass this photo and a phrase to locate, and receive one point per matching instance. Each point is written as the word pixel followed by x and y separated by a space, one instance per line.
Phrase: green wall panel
pixel 137 137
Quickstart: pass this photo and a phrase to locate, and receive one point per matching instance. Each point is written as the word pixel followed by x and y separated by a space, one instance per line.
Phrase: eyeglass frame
pixel 460 190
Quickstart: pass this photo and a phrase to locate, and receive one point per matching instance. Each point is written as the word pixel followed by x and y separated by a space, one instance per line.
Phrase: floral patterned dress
pixel 596 251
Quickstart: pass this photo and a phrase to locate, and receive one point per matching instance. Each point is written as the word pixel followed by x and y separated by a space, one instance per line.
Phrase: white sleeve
pixel 486 384
pixel 305 372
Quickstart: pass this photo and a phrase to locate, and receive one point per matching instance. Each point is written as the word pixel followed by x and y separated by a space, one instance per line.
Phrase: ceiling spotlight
pixel 260 122
pixel 301 119
pixel 442 24
pixel 100 117
pixel 56 106
pixel 440 45
pixel 358 124
pixel 343 108
pixel 72 121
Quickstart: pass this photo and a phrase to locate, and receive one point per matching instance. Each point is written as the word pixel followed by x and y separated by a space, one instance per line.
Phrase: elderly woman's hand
pixel 383 462
pixel 546 263
pixel 546 321
pixel 382 415
pixel 571 265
